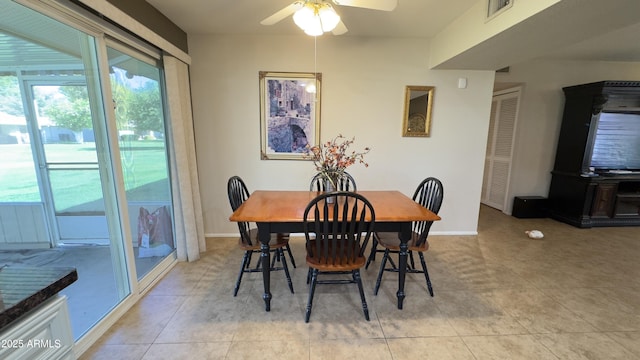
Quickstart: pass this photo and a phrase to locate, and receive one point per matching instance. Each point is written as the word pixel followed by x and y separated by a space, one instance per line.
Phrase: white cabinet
pixel 43 333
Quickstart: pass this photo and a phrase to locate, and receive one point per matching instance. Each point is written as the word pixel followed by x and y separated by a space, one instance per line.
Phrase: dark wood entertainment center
pixel 596 176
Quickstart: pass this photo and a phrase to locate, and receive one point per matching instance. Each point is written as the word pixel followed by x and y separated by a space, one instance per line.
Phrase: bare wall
pixel 363 82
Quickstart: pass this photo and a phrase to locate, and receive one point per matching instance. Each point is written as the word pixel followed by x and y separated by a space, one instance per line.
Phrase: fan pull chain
pixel 315 67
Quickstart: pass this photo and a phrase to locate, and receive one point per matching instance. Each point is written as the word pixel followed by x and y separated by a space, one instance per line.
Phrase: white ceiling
pixel 421 18
pixel 425 18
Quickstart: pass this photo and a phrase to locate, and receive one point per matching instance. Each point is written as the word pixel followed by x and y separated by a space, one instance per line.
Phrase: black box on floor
pixel 527 207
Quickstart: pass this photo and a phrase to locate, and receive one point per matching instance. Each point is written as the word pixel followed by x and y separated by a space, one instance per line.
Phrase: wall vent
pixel 495 7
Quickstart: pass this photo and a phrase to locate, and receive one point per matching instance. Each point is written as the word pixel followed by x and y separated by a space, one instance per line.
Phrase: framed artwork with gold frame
pixel 418 101
pixel 289 114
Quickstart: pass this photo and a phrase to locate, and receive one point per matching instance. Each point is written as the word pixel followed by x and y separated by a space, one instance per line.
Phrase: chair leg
pixel 411 261
pixel 245 259
pixel 293 261
pixel 426 273
pixel 286 268
pixel 309 276
pixel 258 263
pixel 385 257
pixel 312 289
pixel 391 263
pixel 249 260
pixel 372 255
pixel 276 256
pixel 365 309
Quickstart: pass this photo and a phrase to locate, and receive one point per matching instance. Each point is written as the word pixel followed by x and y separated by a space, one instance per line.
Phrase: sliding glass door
pixel 84 165
pixel 136 90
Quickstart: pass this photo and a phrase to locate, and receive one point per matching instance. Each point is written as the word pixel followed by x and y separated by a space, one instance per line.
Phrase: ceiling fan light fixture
pixel 328 17
pixel 304 16
pixel 314 27
pixel 316 18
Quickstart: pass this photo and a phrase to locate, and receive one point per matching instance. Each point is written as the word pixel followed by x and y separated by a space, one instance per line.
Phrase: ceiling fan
pixel 318 16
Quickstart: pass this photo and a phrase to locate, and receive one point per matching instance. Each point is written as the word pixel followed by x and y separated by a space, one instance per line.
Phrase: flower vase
pixel 328 187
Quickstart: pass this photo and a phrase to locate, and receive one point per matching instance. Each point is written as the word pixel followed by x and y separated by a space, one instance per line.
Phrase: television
pixel 616 146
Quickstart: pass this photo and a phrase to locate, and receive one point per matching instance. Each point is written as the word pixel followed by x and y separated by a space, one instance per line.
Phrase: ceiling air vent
pixel 495 7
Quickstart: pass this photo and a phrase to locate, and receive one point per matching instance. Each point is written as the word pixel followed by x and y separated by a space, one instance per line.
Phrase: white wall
pixel 363 83
pixel 530 29
pixel 540 114
pixel 472 28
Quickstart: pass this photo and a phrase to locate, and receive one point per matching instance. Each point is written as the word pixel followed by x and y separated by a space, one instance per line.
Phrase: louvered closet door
pixel 502 126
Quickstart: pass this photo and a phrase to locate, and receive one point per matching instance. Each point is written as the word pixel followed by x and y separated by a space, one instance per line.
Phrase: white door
pixel 497 167
pixel 68 160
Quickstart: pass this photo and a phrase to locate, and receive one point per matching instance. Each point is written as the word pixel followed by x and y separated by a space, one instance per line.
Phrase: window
pixel 60 167
pixel 137 97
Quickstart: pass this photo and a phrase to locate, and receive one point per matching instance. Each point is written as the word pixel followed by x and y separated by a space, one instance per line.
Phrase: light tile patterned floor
pixel 573 295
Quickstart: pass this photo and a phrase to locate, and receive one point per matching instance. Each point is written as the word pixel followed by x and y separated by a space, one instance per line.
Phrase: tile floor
pixel 573 295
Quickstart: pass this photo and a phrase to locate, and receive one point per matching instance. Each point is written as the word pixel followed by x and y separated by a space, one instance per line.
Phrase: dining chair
pixel 345 183
pixel 249 241
pixel 336 235
pixel 428 194
pixel 237 180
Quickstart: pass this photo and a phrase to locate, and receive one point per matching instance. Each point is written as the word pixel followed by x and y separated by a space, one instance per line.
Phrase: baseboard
pixel 220 235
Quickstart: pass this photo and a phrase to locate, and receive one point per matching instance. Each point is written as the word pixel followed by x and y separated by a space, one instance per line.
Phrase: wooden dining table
pixel 282 212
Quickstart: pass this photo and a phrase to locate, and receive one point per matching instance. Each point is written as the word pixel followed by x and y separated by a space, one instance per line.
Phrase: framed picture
pixel 289 114
pixel 418 101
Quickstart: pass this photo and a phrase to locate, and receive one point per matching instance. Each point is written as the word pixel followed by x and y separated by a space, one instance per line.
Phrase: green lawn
pixel 143 164
pixel 17 174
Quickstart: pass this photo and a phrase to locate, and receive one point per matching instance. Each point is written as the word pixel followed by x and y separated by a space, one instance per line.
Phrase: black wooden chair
pixel 428 194
pixel 249 241
pixel 237 180
pixel 336 236
pixel 345 183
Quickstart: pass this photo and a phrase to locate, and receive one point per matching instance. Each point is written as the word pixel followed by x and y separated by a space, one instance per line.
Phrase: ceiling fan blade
pixel 340 29
pixel 278 16
pixel 384 5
